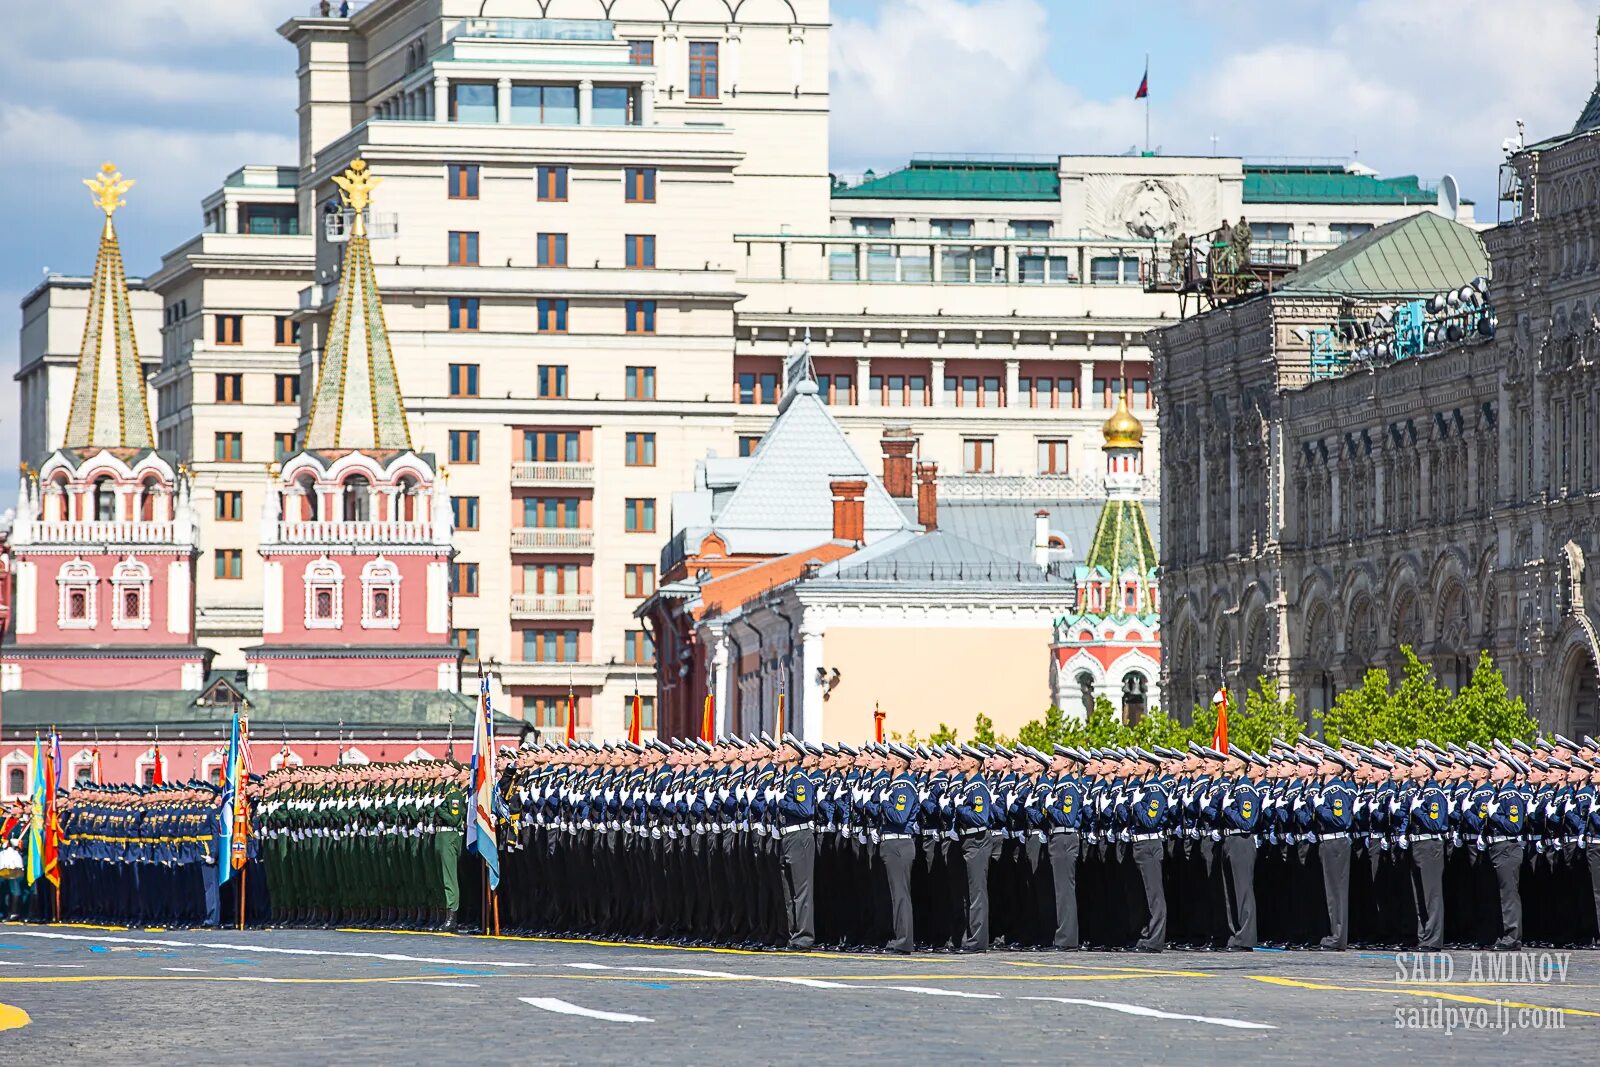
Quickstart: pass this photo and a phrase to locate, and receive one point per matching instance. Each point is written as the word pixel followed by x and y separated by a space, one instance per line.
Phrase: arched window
pixel 149 493
pixel 357 498
pixel 18 775
pixel 211 767
pixel 1085 682
pixel 130 587
pixel 406 500
pixel 308 497
pixel 76 584
pixel 1135 693
pixel 380 595
pixel 324 582
pixel 105 499
pixel 286 758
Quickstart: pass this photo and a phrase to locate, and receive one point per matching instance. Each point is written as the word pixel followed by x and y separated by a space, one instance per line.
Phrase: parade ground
pixel 77 994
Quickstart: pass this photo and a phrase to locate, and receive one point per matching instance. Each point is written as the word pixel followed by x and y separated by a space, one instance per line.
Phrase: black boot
pixel 449 926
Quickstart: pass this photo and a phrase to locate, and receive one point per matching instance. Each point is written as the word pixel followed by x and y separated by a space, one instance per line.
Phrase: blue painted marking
pixel 1374 956
pixel 10 946
pixel 462 970
pixel 652 985
pixel 248 963
pixel 1258 948
pixel 97 948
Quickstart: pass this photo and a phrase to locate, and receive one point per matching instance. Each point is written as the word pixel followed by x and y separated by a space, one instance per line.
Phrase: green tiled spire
pixel 1122 540
pixel 357 403
pixel 108 395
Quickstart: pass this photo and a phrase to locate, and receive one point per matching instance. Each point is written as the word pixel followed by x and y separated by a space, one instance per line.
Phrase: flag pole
pixel 1147 103
pixel 244 873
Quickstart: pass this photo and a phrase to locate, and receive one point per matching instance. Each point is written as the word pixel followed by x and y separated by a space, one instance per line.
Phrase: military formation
pixel 766 843
pixel 145 855
pixel 364 845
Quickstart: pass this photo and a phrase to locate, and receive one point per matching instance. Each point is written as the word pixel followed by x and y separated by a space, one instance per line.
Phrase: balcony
pixel 551 539
pixel 529 475
pixel 121 532
pixel 530 606
pixel 355 532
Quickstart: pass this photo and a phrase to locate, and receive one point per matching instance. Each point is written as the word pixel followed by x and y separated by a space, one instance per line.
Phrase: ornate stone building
pixel 1337 485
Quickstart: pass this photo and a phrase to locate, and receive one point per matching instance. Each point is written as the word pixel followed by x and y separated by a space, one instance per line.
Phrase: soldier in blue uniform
pixel 901 810
pixel 1239 815
pixel 974 809
pixel 1149 809
pixel 797 813
pixel 1427 827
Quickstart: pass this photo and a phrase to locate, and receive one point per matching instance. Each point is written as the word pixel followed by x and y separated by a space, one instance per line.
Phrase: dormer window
pixel 380 595
pixel 324 595
pixel 130 582
pixel 77 584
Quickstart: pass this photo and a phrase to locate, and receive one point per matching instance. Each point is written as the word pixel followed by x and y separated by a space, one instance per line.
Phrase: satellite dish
pixel 1449 196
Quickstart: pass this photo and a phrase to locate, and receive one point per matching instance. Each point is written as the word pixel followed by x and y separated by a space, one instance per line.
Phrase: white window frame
pixel 216 758
pixel 286 758
pixel 84 757
pixel 18 758
pixel 147 760
pixel 130 574
pixel 324 573
pixel 353 757
pixel 74 575
pixel 380 575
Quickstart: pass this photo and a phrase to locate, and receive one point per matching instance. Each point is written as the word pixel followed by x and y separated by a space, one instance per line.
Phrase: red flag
pixel 1219 736
pixel 160 775
pixel 52 824
pixel 572 717
pixel 636 720
pixel 878 715
pixel 708 721
pixel 1144 84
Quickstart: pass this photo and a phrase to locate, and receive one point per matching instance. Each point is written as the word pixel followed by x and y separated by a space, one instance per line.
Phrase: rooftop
pixel 1416 256
pixel 953 179
pixel 1331 184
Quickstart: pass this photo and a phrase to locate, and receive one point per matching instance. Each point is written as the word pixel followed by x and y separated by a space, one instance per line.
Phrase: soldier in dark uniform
pixel 900 811
pixel 974 805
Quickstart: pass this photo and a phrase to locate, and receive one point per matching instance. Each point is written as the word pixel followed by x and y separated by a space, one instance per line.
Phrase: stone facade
pixel 1311 527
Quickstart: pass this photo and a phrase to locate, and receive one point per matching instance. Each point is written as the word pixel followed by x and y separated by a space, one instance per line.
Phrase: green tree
pixel 983 730
pixel 1159 728
pixel 1418 707
pixel 1045 733
pixel 1104 726
pixel 1483 710
pixel 944 735
pixel 1360 714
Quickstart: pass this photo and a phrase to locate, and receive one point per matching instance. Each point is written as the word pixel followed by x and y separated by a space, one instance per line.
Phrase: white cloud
pixel 1427 86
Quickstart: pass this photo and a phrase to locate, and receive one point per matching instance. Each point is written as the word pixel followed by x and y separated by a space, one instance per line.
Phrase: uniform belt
pixel 1146 837
pixel 1063 830
pixel 1430 835
pixel 1238 833
pixel 894 837
pixel 1495 840
pixel 974 830
pixel 787 830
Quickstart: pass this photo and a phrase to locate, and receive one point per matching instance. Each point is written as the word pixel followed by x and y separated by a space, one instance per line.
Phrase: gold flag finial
pixel 355 189
pixel 108 187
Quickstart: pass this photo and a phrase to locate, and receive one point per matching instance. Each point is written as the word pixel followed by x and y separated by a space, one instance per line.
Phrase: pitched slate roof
pixel 784 500
pixel 1415 256
pixel 944 179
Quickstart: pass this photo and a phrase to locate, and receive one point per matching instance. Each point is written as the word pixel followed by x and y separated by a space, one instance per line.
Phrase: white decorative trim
pixel 192 677
pixel 449 677
pixel 286 758
pixel 10 677
pixel 147 762
pixel 130 576
pixel 438 597
pixel 380 595
pixel 82 759
pixel 25 615
pixel 215 759
pixel 353 756
pixel 419 755
pixel 18 758
pixel 324 576
pixel 77 575
pixel 179 585
pixel 272 597
pixel 256 675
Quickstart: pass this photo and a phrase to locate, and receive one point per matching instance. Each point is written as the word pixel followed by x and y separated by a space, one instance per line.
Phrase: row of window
pixel 229 330
pixel 230 388
pixel 639 315
pixel 558 645
pixel 1043 229
pixel 968 390
pixel 562 579
pixel 549 712
pixel 638 249
pixel 462 181
pixel 639 383
pixel 977 455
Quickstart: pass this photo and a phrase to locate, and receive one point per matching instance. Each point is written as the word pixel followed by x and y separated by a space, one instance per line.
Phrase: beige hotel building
pixel 601 227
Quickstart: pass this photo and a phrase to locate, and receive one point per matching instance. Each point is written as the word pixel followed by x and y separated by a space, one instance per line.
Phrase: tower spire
pixel 357 403
pixel 108 394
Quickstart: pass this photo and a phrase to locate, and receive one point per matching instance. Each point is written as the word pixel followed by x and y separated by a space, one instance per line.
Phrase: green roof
pixel 1122 540
pixel 949 179
pixel 134 709
pixel 1415 256
pixel 1330 185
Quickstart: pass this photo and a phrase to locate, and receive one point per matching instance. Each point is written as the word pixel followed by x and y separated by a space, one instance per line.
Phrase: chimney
pixel 928 495
pixel 898 444
pixel 849 509
pixel 1041 537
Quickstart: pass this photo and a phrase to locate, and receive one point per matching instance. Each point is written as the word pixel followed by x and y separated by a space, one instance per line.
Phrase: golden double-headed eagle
pixel 107 188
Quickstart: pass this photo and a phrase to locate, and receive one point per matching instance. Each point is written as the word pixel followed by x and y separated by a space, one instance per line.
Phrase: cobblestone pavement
pixel 76 994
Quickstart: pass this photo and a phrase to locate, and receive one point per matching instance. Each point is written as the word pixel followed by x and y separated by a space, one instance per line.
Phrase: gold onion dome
pixel 1123 429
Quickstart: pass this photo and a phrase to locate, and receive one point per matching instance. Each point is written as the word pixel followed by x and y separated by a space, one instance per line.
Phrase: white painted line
pixel 688 972
pixel 933 992
pixel 567 1008
pixel 452 985
pixel 19 963
pixel 1154 1013
pixel 816 983
pixel 186 970
pixel 392 957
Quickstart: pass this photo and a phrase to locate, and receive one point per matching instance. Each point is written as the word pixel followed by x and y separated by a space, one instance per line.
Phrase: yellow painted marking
pixel 13 1018
pixel 1152 971
pixel 1433 993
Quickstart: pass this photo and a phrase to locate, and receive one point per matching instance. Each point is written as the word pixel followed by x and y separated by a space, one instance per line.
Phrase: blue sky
pixel 179 92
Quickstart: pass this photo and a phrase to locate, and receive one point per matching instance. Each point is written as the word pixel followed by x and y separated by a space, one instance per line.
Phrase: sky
pixel 178 93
